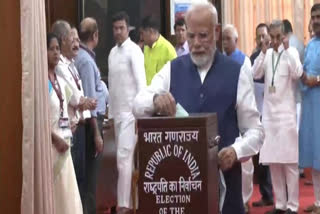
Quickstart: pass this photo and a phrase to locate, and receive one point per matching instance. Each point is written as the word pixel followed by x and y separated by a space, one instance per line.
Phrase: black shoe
pixel 262 203
pixel 275 211
pixel 290 212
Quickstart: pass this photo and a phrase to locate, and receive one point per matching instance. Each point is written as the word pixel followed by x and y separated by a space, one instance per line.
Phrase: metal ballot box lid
pixel 178 169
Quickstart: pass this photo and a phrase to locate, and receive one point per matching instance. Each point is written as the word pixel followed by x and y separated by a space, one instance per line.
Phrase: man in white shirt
pixel 281 68
pixel 229 43
pixel 262 171
pixel 200 83
pixel 126 78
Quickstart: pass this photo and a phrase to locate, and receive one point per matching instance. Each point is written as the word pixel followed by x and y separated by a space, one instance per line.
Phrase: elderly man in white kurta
pixel 126 78
pixel 67 70
pixel 281 68
pixel 229 43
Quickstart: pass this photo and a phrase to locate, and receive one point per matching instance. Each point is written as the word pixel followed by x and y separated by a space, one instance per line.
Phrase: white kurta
pixel 126 78
pixel 66 70
pixel 247 168
pixel 67 196
pixel 279 108
pixel 248 116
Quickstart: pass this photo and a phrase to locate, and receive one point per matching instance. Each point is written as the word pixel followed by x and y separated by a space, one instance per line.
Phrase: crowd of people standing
pixel 258 110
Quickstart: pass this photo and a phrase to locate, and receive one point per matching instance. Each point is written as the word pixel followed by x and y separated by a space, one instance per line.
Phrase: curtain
pixel 245 15
pixel 37 182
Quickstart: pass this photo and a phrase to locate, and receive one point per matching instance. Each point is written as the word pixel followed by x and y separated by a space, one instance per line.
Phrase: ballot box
pixel 177 159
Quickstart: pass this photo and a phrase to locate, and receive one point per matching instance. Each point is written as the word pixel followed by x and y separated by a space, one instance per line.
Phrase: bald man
pixel 90 77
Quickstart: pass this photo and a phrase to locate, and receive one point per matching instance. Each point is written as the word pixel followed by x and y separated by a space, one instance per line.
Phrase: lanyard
pixel 274 68
pixel 76 79
pixel 57 89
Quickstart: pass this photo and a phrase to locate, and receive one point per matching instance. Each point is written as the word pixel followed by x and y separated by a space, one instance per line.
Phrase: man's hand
pixel 98 144
pixel 90 104
pixel 265 44
pixel 309 81
pixel 285 42
pixel 227 157
pixel 110 123
pixel 165 104
pixel 87 104
pixel 73 127
pixel 60 145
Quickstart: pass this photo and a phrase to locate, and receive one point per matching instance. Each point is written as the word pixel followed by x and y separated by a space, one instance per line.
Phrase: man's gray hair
pixel 232 29
pixel 277 23
pixel 196 7
pixel 61 28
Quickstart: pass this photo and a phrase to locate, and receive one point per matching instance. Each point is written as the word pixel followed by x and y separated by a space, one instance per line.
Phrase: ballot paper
pixel 222 190
pixel 180 111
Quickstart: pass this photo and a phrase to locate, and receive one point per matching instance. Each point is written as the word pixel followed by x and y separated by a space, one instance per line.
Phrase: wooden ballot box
pixel 178 171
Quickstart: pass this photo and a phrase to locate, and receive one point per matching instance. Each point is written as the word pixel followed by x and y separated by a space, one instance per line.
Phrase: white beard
pixel 202 60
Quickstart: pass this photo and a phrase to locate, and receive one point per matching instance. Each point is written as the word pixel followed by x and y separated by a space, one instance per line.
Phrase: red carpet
pixel 306 198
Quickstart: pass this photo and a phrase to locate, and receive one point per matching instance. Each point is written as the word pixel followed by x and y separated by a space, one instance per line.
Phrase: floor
pixel 306 198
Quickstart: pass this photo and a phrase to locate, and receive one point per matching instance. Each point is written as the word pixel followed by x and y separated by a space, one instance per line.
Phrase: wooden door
pixel 62 9
pixel 10 108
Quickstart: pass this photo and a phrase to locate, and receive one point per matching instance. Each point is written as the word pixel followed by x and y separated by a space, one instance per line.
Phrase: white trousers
pixel 285 181
pixel 247 180
pixel 126 141
pixel 316 186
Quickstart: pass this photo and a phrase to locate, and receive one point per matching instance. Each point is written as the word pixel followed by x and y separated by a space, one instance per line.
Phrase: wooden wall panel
pixel 10 108
pixel 61 9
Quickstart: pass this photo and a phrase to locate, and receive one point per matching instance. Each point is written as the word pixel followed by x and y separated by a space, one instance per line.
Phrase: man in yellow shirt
pixel 157 50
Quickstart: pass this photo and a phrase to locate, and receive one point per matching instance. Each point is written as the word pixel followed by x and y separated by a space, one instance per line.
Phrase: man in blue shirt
pixel 90 77
pixel 309 135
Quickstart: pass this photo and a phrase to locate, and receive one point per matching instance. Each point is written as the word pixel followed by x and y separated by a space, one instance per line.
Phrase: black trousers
pixel 78 153
pixel 86 164
pixel 264 180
